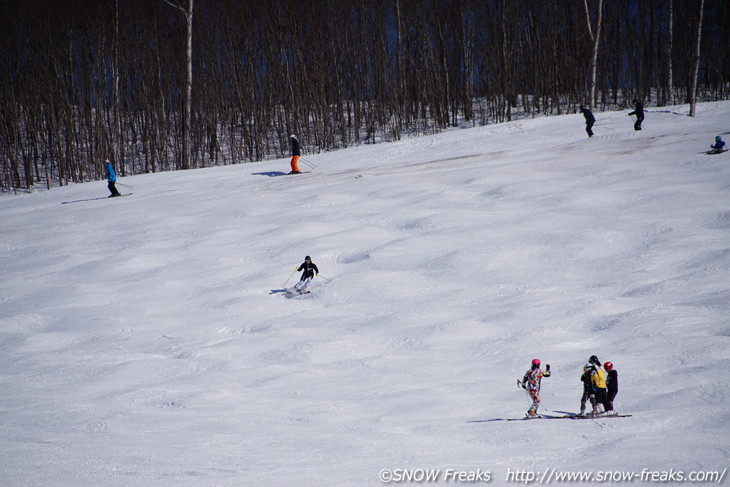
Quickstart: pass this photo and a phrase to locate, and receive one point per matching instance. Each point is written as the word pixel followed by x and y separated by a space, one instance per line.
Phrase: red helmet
pixel 608 366
pixel 536 362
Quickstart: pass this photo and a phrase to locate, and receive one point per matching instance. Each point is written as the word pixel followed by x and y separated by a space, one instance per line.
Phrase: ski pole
pixel 326 279
pixel 310 164
pixel 125 185
pixel 287 281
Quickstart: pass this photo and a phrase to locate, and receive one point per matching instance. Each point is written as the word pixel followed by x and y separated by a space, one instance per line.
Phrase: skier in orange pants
pixel 295 154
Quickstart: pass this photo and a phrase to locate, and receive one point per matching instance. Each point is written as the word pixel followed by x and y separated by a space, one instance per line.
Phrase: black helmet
pixel 307 258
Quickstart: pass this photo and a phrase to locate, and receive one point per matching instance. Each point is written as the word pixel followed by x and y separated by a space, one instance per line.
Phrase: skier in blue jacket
pixel 111 176
pixel 718 147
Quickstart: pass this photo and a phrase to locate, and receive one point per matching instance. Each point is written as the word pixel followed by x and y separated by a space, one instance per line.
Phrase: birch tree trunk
pixel 670 41
pixel 594 57
pixel 696 69
pixel 187 98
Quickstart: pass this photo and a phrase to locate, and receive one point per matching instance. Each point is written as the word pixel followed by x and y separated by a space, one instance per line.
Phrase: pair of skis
pixel 567 416
pixel 572 416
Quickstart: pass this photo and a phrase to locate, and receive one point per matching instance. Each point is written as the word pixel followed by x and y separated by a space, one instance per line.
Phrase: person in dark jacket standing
pixel 611 385
pixel 588 392
pixel 295 154
pixel 590 120
pixel 639 112
pixel 111 176
pixel 310 270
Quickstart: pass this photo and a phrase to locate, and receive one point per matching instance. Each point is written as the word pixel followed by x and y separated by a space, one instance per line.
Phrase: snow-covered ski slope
pixel 147 340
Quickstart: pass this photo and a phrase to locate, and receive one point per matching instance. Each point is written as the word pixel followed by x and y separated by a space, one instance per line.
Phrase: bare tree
pixel 670 40
pixel 596 39
pixel 696 68
pixel 188 96
pixel 90 84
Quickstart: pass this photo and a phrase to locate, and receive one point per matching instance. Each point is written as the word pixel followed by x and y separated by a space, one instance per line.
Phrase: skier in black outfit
pixel 639 112
pixel 588 392
pixel 612 385
pixel 590 120
pixel 310 270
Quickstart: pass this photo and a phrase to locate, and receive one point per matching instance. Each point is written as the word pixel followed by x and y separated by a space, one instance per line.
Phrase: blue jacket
pixel 719 145
pixel 110 174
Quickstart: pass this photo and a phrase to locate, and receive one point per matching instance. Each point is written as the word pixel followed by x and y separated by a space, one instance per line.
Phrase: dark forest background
pixel 86 80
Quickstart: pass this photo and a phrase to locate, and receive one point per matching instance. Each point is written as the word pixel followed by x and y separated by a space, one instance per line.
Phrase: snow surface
pixel 147 340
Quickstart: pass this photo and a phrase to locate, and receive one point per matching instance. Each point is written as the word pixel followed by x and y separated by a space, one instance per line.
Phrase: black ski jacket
pixel 589 116
pixel 639 112
pixel 309 269
pixel 295 147
pixel 612 381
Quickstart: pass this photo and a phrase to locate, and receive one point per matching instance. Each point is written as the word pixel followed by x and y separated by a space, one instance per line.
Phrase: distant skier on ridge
pixel 295 154
pixel 111 176
pixel 590 120
pixel 639 112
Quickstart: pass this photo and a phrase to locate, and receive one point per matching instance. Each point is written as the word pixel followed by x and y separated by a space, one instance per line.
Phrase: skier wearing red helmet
pixel 611 385
pixel 531 382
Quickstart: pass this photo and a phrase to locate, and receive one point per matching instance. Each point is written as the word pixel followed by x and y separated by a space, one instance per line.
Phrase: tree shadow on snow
pixel 270 174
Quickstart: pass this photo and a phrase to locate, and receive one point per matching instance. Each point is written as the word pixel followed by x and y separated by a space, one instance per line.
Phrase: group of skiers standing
pixel 600 386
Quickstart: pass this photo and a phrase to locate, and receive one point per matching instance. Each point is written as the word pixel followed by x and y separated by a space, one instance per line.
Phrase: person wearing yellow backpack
pixel 600 389
pixel 594 379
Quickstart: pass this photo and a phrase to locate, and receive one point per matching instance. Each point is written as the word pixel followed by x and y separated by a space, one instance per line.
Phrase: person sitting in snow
pixel 531 382
pixel 611 385
pixel 718 147
pixel 310 270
